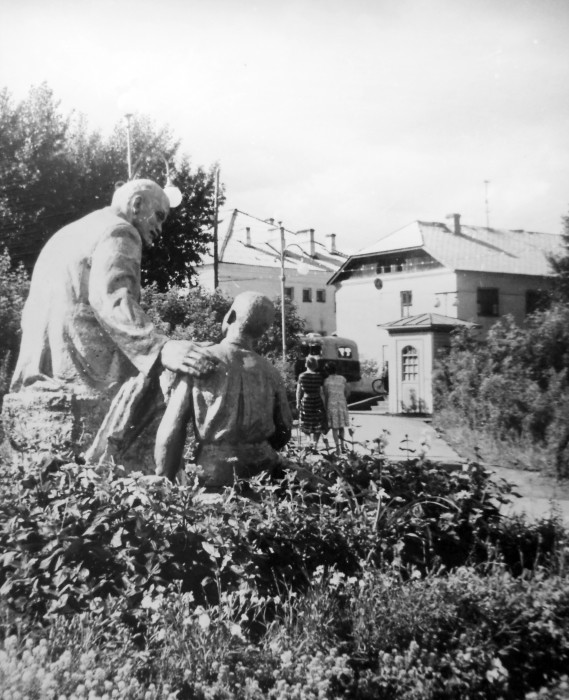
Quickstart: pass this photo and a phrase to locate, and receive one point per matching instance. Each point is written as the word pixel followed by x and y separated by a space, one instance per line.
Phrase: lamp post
pixel 128 117
pixel 171 191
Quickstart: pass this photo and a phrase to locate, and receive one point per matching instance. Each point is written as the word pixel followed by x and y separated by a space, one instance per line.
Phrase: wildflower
pixel 204 621
pixel 236 630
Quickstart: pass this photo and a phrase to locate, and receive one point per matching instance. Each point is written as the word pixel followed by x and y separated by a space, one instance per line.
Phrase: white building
pixel 250 259
pixel 427 271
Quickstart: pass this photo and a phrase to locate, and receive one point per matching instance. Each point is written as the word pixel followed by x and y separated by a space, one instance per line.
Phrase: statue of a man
pixel 84 333
pixel 239 412
pixel 82 326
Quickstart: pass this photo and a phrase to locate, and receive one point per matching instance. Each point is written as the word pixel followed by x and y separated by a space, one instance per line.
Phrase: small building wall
pixel 411 396
pixel 512 291
pixel 362 308
pixel 320 316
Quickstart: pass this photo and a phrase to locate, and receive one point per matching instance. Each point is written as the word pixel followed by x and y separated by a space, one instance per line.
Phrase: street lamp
pixel 128 117
pixel 172 192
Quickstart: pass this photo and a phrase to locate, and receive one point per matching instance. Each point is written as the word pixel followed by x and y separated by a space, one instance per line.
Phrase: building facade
pixel 250 259
pixel 472 274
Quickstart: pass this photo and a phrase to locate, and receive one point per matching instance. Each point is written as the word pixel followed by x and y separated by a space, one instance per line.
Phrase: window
pixel 406 303
pixel 487 301
pixel 307 295
pixel 409 364
pixel 321 295
pixel 289 293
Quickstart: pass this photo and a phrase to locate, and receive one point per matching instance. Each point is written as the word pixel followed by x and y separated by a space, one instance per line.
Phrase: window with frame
pixel 406 303
pixel 289 293
pixel 321 295
pixel 487 301
pixel 409 364
pixel 307 295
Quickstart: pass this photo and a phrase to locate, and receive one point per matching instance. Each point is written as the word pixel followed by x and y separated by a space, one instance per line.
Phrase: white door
pixel 410 371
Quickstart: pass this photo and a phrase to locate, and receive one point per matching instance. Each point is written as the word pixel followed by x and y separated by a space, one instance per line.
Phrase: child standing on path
pixel 310 401
pixel 335 396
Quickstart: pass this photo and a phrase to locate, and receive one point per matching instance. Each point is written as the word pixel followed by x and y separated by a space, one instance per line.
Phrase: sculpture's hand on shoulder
pixel 187 357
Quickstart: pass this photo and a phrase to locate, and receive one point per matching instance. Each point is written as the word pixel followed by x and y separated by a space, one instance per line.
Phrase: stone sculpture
pixel 84 334
pixel 239 412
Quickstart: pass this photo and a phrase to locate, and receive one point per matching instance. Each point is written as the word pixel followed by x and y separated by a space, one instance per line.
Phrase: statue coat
pixel 83 329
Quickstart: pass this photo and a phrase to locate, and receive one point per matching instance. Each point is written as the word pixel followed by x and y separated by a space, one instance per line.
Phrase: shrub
pixel 514 387
pixel 14 285
pixel 347 584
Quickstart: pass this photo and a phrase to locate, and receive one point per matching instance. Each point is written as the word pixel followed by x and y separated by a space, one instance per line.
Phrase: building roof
pixel 427 322
pixel 475 248
pixel 260 246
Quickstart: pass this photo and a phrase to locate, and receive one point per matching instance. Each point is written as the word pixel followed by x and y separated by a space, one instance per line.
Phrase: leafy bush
pixel 69 536
pixel 513 387
pixel 325 582
pixel 14 285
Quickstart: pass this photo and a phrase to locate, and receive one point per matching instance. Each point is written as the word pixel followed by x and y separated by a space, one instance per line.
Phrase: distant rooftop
pixel 472 248
pixel 251 242
pixel 427 321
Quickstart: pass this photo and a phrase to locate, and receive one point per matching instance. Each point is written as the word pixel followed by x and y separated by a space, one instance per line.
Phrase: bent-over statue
pixel 85 336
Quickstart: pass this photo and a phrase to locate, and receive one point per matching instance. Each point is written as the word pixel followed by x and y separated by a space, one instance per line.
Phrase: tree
pixel 185 235
pixel 54 170
pixel 14 285
pixel 560 266
pixel 194 314
pixel 197 314
pixel 270 343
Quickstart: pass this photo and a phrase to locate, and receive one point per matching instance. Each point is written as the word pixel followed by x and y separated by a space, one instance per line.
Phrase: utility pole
pixel 486 183
pixel 215 214
pixel 128 117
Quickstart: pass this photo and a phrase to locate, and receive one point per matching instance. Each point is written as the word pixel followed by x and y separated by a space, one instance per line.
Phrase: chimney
pixel 332 250
pixel 248 236
pixel 456 218
pixel 312 248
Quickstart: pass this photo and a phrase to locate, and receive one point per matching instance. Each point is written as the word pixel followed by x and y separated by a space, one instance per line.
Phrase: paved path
pixel 540 496
pixel 403 434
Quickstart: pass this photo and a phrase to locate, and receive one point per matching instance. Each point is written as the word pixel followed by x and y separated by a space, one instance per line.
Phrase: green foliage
pixel 513 386
pixel 198 314
pixel 69 536
pixel 270 344
pixel 14 284
pixel 192 314
pixel 132 587
pixel 369 368
pixel 54 171
pixel 560 265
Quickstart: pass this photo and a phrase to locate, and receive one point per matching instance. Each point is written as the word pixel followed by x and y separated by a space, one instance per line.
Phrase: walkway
pixel 539 496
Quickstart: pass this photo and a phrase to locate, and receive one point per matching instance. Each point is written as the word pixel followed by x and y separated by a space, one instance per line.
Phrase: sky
pixel 352 117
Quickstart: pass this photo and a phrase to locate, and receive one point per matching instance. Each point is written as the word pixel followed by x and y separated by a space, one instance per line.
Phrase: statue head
pixel 143 204
pixel 250 315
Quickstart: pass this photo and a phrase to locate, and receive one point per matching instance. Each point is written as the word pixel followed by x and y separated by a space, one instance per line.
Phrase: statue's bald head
pixel 144 205
pixel 251 313
pixel 125 193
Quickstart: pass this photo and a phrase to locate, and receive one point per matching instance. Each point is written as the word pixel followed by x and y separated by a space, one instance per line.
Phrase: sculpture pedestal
pixel 61 421
pixel 58 420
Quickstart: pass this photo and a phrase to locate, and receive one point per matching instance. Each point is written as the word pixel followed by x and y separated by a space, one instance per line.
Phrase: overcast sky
pixel 348 116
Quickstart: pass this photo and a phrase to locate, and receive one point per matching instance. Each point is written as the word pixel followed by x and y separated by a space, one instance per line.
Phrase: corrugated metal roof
pixel 475 248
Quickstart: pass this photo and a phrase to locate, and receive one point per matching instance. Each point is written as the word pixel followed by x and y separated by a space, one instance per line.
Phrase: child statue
pixel 239 412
